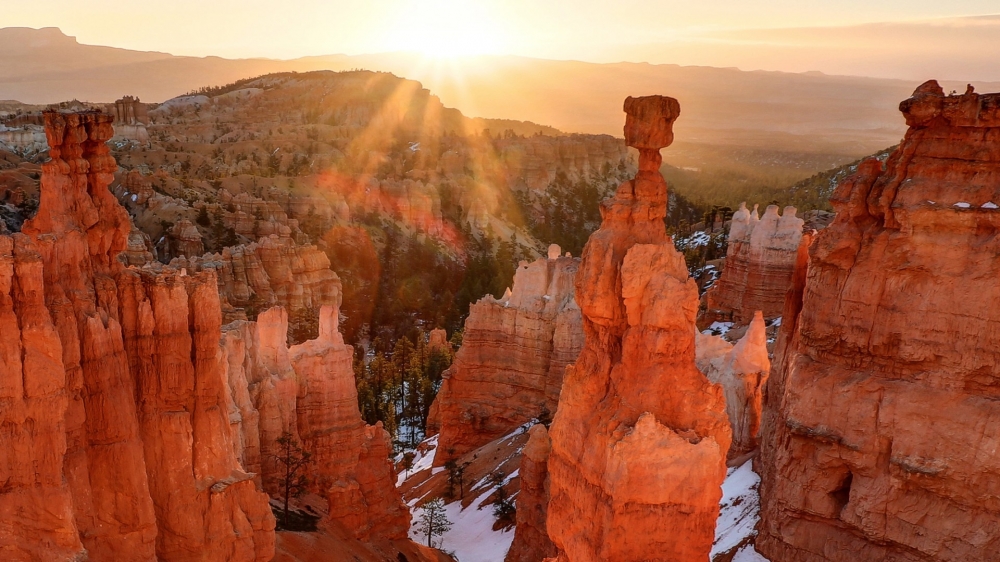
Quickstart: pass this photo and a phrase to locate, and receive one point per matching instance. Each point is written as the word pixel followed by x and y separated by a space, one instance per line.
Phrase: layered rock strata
pixel 742 370
pixel 116 442
pixel 271 272
pixel 759 262
pixel 531 540
pixel 880 429
pixel 514 353
pixel 308 391
pixel 640 437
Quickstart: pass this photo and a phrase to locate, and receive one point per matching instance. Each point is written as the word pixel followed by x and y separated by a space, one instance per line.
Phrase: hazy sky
pixel 682 31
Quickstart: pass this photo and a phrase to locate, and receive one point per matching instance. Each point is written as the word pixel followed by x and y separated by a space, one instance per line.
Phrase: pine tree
pixel 433 520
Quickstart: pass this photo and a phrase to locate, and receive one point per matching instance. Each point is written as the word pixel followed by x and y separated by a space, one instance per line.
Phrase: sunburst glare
pixel 445 28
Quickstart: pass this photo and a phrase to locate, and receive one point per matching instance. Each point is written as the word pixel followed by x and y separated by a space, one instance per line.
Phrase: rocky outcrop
pixel 534 162
pixel 640 437
pixel 880 424
pixel 514 353
pixel 272 272
pixel 185 240
pixel 116 442
pixel 759 262
pixel 531 541
pixel 308 391
pixel 742 371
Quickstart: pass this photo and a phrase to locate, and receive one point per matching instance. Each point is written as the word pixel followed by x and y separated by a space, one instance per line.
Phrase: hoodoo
pixel 640 437
pixel 759 262
pixel 742 370
pixel 510 367
pixel 880 426
pixel 117 440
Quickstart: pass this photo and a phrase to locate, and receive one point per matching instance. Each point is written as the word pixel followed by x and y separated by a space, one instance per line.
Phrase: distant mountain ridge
pixel 808 112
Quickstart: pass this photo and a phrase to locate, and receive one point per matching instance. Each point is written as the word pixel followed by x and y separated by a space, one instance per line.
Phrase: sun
pixel 445 28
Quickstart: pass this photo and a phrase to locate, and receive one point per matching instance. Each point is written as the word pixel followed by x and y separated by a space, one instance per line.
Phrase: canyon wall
pixel 759 262
pixel 640 437
pixel 271 272
pixel 881 420
pixel 117 444
pixel 308 392
pixel 514 353
pixel 531 540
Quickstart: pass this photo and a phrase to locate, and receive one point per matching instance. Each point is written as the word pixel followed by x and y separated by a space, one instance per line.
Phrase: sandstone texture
pixel 640 437
pixel 116 440
pixel 514 354
pixel 531 540
pixel 881 420
pixel 272 272
pixel 758 269
pixel 742 370
pixel 308 391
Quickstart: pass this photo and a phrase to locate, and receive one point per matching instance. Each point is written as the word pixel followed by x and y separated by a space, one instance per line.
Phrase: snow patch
pixel 739 511
pixel 471 536
pixel 990 205
pixel 962 205
pixel 718 329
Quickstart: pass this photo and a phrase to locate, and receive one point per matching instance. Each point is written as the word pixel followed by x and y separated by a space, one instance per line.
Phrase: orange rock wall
pixel 309 391
pixel 514 353
pixel 880 424
pixel 269 273
pixel 126 370
pixel 531 540
pixel 640 436
pixel 758 269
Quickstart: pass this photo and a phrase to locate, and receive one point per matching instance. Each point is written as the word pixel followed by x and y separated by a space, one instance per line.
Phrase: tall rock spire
pixel 640 437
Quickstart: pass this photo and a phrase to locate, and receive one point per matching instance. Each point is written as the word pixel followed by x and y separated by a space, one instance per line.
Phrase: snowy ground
pixel 739 513
pixel 472 538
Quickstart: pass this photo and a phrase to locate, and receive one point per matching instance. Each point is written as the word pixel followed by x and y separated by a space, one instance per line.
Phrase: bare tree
pixel 294 459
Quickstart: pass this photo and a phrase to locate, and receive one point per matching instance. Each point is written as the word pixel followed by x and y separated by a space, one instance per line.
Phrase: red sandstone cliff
pixel 309 392
pixel 880 424
pixel 268 273
pixel 640 436
pixel 759 262
pixel 514 353
pixel 531 540
pixel 117 440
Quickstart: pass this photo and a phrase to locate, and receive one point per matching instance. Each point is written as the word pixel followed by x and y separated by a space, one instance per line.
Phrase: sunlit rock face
pixel 117 444
pixel 514 354
pixel 308 391
pixel 741 369
pixel 267 273
pixel 640 437
pixel 759 262
pixel 531 540
pixel 880 425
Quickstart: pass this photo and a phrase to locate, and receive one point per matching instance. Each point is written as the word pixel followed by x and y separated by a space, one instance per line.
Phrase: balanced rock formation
pixel 308 392
pixel 531 540
pixel 742 370
pixel 116 443
pixel 759 262
pixel 514 353
pixel 640 438
pixel 881 421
